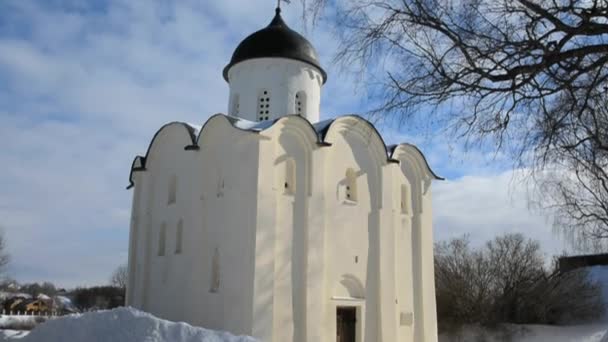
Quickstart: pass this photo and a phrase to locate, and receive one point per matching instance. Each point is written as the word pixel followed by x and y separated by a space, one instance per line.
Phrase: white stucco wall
pixel 210 190
pixel 282 79
pixel 289 254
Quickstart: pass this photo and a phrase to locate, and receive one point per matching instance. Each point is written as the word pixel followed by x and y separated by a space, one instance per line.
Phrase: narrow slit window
pixel 215 271
pixel 179 236
pixel 351 185
pixel 161 239
pixel 263 109
pixel 300 103
pixel 220 187
pixel 405 203
pixel 172 190
pixel 290 177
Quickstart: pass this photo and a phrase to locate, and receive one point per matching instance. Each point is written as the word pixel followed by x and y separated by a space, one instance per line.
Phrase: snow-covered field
pixel 12 335
pixel 535 333
pixel 128 325
pixel 20 322
pixel 119 325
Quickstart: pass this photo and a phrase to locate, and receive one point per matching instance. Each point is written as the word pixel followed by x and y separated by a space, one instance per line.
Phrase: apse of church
pixel 267 221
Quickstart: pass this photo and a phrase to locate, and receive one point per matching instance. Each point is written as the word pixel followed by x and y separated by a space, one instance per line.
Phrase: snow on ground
pixel 533 333
pixel 599 274
pixel 6 295
pixel 122 325
pixel 12 335
pixel 20 322
pixel 66 304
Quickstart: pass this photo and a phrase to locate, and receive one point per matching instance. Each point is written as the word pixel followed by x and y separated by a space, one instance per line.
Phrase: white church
pixel 272 223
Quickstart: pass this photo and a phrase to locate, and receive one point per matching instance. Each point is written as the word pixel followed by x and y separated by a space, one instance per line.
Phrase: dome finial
pixel 278 9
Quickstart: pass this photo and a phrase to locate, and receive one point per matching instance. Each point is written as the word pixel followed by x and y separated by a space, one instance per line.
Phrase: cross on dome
pixel 279 3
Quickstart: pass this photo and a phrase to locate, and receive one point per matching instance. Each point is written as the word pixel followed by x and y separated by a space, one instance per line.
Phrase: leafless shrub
pixel 505 281
pixel 119 277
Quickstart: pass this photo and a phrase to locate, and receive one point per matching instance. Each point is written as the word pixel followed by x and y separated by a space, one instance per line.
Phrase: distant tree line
pixel 506 281
pixel 98 297
pixel 82 298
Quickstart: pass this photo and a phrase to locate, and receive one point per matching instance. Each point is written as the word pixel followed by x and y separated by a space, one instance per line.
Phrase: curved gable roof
pixel 319 129
pixel 393 149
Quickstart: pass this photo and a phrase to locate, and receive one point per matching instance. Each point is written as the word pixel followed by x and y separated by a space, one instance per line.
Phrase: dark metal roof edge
pixel 144 158
pixel 136 169
pixel 359 118
pixel 426 163
pixel 188 128
pixel 319 131
pixel 277 23
pixel 318 67
pixel 192 148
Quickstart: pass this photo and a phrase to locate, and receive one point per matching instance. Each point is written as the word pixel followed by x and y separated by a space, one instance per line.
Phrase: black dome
pixel 276 40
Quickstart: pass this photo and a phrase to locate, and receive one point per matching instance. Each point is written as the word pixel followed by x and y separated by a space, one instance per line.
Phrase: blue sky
pixel 84 86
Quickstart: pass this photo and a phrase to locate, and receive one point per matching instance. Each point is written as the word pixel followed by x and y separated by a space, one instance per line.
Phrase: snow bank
pixel 11 335
pixel 20 322
pixel 123 325
pixel 599 274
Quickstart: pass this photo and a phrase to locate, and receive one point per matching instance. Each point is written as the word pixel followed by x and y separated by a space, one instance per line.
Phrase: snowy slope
pixel 122 325
pixel 12 335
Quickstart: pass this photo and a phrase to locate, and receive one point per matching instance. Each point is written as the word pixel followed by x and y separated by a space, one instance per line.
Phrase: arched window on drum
pixel 263 105
pixel 235 106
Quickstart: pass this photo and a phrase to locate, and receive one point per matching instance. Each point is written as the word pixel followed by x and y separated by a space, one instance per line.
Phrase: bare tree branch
pixel 528 76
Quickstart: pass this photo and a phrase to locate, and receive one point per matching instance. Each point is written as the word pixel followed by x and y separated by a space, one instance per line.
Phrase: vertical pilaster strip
pixel 417 263
pixel 316 296
pixel 147 247
pixel 133 238
pixel 387 293
pixel 265 237
pixel 428 270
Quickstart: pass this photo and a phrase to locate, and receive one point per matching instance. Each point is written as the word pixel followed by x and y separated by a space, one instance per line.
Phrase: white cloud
pixel 82 91
pixel 484 206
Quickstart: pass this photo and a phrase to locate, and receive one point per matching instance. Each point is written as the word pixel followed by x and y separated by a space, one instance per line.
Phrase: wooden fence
pixel 49 314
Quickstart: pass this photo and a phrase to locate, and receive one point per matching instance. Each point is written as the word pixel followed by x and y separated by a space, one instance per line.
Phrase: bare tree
pixel 463 279
pixel 4 255
pixel 528 77
pixel 119 277
pixel 517 266
pixel 506 281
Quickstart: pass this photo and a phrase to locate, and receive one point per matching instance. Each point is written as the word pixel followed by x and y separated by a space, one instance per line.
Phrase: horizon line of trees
pixel 506 280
